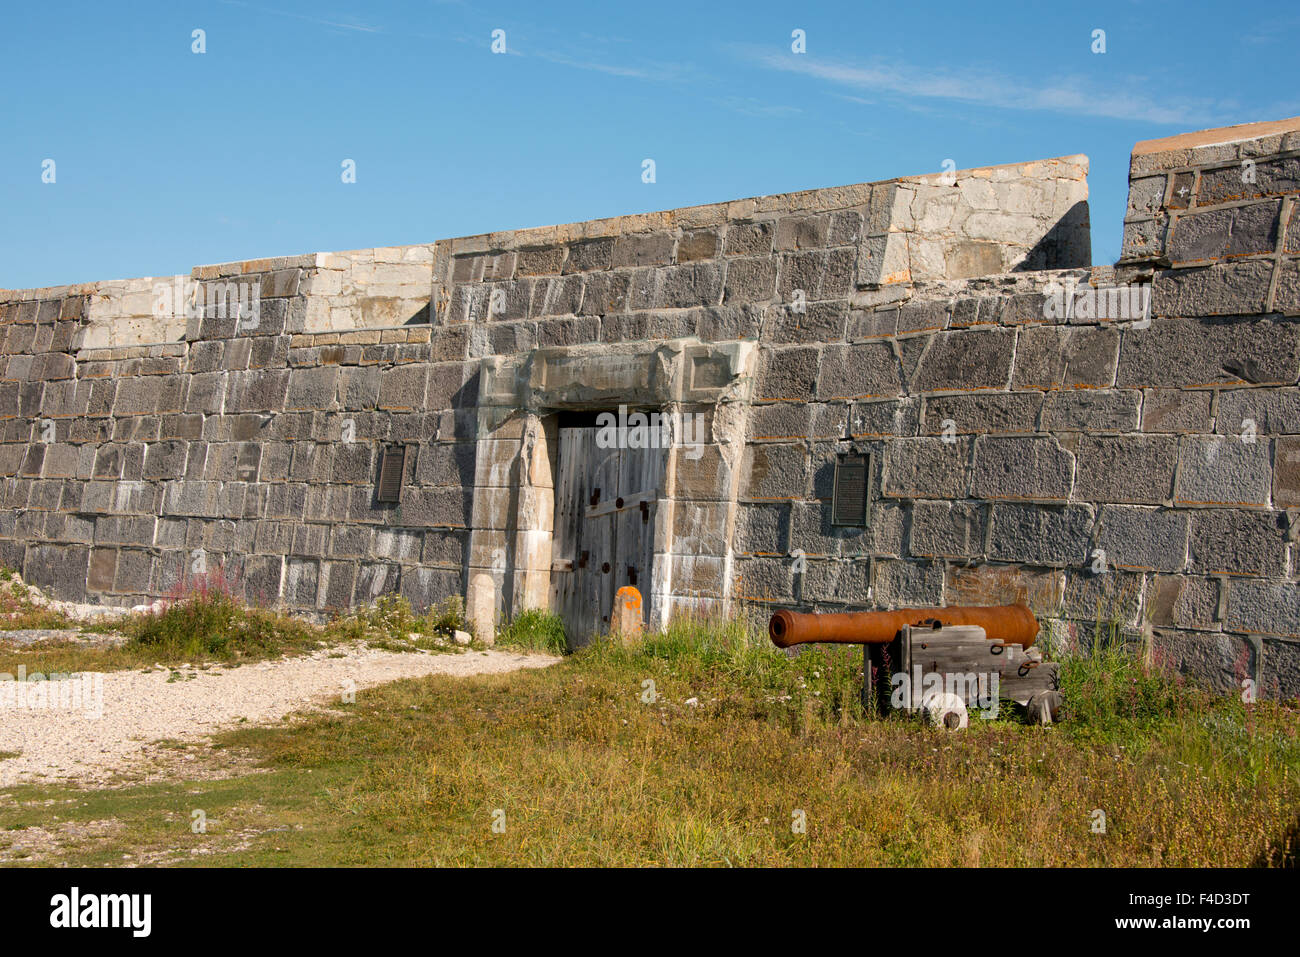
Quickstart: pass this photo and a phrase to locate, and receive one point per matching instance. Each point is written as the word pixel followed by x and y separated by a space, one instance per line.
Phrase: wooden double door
pixel 605 506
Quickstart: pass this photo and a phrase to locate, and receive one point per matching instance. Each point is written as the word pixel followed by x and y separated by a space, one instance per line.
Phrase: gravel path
pixel 140 708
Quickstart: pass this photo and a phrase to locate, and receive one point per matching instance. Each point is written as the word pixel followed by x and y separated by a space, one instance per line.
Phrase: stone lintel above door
pixel 646 374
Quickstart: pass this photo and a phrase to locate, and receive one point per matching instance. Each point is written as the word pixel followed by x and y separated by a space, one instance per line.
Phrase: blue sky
pixel 166 159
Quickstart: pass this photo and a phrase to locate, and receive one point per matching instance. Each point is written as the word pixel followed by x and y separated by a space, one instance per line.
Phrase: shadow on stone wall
pixel 1067 245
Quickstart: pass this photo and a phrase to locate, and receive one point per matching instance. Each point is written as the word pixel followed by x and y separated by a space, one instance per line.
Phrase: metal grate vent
pixel 851 499
pixel 392 467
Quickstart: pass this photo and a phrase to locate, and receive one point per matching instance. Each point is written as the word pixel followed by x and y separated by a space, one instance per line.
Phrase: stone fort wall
pixel 1030 439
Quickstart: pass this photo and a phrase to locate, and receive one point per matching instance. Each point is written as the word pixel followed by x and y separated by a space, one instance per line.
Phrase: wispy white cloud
pixel 613 69
pixel 749 106
pixel 974 86
pixel 667 72
pixel 1273 29
pixel 350 24
pixel 661 71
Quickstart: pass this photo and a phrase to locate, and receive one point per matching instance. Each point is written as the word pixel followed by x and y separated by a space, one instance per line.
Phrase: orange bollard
pixel 627 613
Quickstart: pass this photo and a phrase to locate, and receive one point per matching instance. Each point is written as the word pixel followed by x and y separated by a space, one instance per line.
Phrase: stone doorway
pixel 531 517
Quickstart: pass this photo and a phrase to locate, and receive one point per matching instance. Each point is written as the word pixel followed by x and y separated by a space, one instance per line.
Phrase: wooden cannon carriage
pixel 943 662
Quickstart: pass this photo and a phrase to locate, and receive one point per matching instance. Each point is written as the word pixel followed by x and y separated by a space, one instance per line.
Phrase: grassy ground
pixel 704 746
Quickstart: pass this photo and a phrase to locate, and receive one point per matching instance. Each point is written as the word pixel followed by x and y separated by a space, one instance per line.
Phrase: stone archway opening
pixel 591 463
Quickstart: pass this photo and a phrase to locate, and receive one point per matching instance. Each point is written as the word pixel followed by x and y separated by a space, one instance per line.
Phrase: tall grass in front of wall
pixel 535 629
pixel 732 653
pixel 202 618
pixel 736 666
pixel 1115 686
pixel 392 624
pixel 1112 682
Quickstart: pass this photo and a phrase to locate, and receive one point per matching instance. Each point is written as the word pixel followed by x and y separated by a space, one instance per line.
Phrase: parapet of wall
pixel 957 225
pixel 343 291
pixel 1019 427
pixel 981 222
pixel 357 289
pixel 1217 205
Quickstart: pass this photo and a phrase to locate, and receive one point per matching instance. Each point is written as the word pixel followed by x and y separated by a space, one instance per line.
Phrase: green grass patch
pixel 535 630
pixel 213 626
pixel 390 623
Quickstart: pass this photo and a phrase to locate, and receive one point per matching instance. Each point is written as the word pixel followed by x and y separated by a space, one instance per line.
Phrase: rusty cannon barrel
pixel 1011 624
